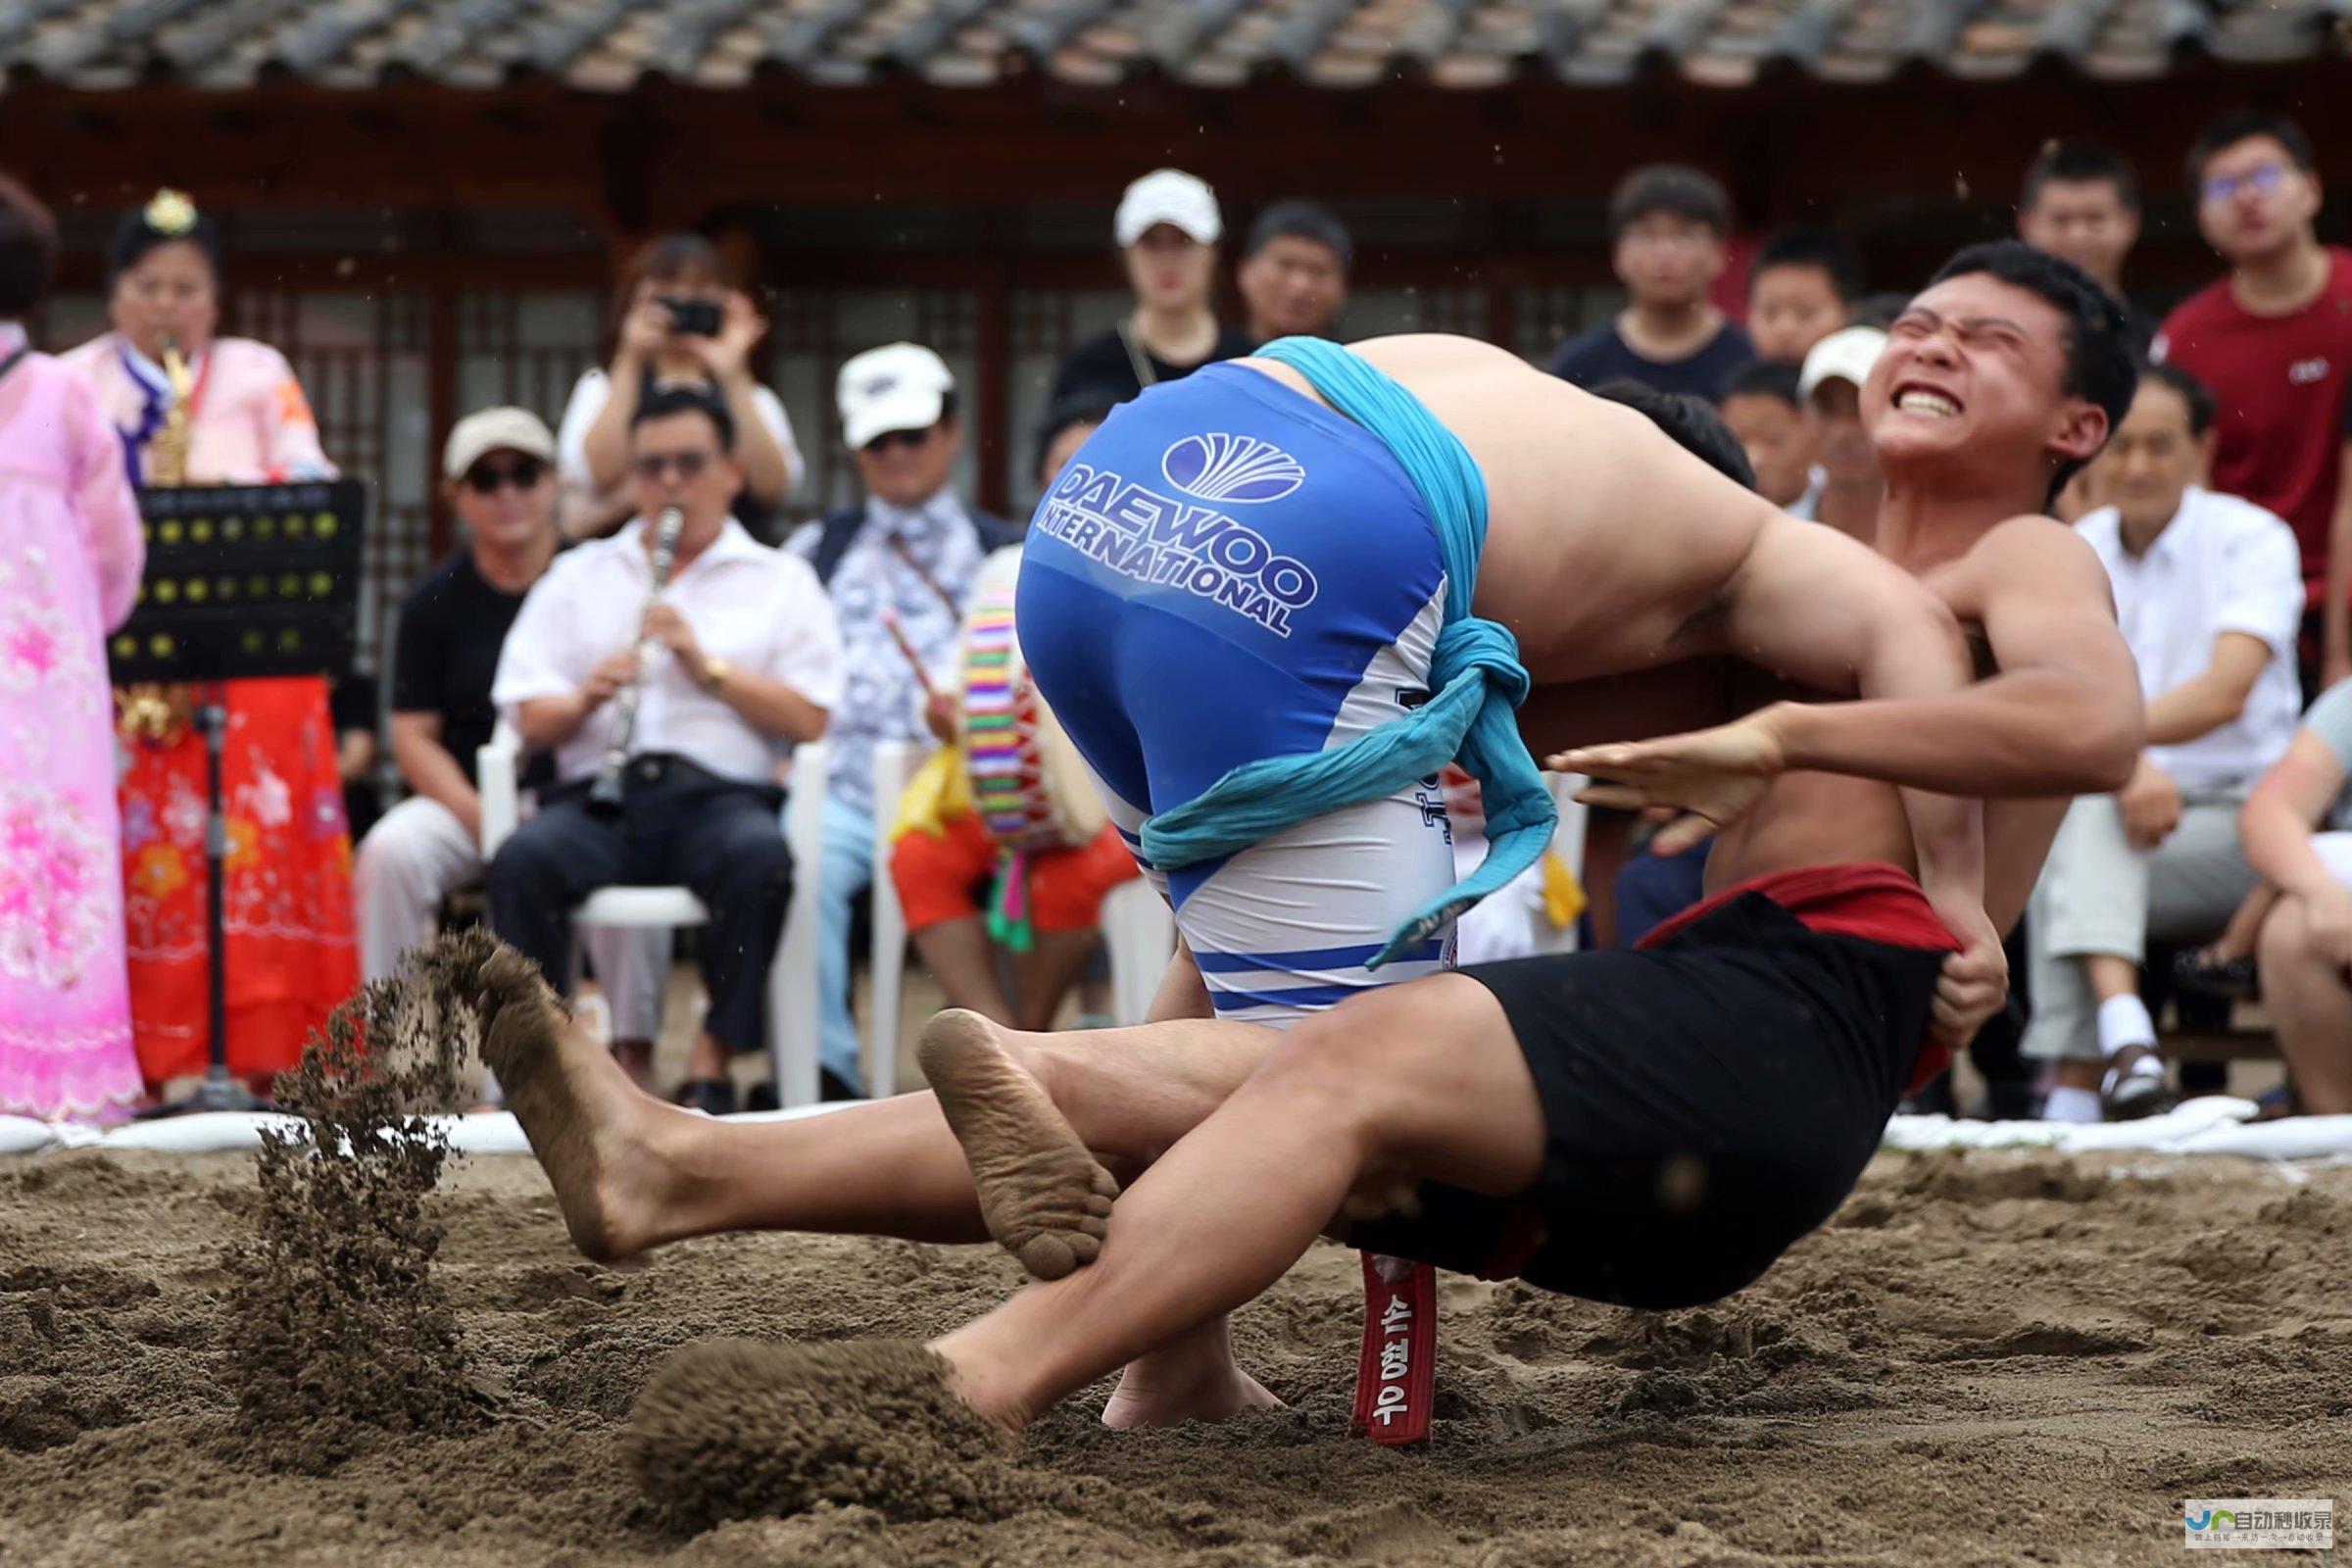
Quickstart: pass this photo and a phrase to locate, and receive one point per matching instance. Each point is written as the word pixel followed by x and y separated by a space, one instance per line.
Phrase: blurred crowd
pixel 630 630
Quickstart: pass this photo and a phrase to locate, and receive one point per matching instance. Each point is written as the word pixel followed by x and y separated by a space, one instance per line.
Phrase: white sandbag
pixel 1945 1132
pixel 2190 1119
pixel 21 1135
pixel 201 1132
pixel 2168 1131
pixel 796 1112
pixel 2287 1138
pixel 489 1132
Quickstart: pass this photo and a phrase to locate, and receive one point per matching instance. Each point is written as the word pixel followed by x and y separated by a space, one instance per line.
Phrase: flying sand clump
pixel 338 1333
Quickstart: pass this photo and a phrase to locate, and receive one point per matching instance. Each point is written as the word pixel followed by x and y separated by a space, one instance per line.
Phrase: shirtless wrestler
pixel 2000 383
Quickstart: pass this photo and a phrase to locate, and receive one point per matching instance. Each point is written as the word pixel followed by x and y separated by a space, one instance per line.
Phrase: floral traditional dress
pixel 287 905
pixel 70 557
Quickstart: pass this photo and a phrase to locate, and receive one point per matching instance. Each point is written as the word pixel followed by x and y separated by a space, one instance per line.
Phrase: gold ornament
pixel 171 212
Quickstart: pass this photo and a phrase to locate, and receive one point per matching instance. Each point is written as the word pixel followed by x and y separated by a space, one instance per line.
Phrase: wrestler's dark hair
pixel 2100 360
pixel 2243 124
pixel 28 250
pixel 1084 406
pixel 687 397
pixel 1880 309
pixel 2199 398
pixel 1675 189
pixel 1810 245
pixel 1695 427
pixel 135 237
pixel 1766 378
pixel 2081 163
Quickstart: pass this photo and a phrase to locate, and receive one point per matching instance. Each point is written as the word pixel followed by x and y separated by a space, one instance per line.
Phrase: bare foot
pixel 1044 1197
pixel 575 1105
pixel 1215 1394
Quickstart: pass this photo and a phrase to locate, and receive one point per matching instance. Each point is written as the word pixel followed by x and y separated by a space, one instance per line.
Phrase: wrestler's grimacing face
pixel 1973 375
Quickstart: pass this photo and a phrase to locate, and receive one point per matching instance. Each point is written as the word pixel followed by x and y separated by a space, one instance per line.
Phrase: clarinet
pixel 604 796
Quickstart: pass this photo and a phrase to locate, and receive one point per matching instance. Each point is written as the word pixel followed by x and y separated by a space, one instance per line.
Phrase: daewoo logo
pixel 1231 467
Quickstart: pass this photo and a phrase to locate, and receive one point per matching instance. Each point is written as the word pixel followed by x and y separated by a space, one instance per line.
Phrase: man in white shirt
pixel 2208 589
pixel 899 567
pixel 741 660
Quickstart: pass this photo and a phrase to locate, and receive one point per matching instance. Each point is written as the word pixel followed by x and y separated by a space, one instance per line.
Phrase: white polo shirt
pixel 2222 564
pixel 760 610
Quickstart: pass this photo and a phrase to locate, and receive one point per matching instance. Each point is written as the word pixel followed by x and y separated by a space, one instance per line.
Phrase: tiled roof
pixel 609 45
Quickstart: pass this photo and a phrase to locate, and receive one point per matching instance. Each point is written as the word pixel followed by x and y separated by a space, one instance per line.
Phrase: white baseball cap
pixel 1168 196
pixel 1845 355
pixel 501 429
pixel 898 387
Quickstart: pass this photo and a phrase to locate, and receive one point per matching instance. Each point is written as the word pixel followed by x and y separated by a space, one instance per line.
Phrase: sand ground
pixel 1998 1359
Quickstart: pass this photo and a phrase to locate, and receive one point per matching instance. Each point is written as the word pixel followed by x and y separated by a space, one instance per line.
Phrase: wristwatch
pixel 716 673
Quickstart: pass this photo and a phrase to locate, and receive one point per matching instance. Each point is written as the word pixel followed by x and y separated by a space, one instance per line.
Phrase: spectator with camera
pixel 679 319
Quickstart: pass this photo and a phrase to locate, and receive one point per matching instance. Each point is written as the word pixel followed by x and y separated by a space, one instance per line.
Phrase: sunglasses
pixel 488 478
pixel 909 439
pixel 654 466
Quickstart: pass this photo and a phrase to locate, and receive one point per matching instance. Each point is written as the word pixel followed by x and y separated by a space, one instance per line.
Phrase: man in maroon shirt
pixel 2274 341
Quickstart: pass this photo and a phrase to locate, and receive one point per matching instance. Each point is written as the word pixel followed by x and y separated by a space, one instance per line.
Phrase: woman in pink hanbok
pixel 70 559
pixel 291 953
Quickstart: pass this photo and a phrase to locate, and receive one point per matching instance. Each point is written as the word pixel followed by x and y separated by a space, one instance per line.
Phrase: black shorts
pixel 1706 1103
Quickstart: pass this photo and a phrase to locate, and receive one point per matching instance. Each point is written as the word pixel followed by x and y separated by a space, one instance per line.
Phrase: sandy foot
pixel 1043 1194
pixel 571 1099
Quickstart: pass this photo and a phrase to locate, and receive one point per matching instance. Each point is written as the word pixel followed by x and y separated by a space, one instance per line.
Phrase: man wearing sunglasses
pixel 740 660
pixel 2274 342
pixel 498 475
pixel 899 565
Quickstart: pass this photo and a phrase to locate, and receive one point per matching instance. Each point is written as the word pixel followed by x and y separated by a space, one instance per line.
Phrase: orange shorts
pixel 938 879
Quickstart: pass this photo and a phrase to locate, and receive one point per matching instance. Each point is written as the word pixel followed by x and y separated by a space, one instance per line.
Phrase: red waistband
pixel 1868 899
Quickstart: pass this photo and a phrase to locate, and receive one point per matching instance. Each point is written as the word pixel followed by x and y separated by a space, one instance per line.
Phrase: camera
pixel 692 318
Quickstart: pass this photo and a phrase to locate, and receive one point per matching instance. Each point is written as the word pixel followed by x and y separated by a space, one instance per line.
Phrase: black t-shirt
pixel 1602 356
pixel 446 654
pixel 1100 366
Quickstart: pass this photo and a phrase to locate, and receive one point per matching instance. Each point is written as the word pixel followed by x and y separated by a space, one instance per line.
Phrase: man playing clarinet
pixel 732 655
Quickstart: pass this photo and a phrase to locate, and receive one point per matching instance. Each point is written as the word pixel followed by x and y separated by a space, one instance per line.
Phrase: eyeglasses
pixel 2261 180
pixel 654 466
pixel 909 439
pixel 489 479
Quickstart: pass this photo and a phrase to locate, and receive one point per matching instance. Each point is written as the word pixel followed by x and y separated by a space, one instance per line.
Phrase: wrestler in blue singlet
pixel 1228 571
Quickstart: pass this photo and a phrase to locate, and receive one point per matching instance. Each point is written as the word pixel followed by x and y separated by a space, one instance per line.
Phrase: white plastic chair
pixel 895 762
pixel 791 1012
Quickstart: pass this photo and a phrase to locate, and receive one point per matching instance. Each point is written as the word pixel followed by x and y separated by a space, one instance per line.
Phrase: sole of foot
pixel 1046 1198
pixel 548 1073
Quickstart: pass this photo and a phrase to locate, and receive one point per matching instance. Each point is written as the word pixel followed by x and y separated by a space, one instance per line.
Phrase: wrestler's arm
pixel 2063 717
pixel 1689 693
pixel 1812 605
